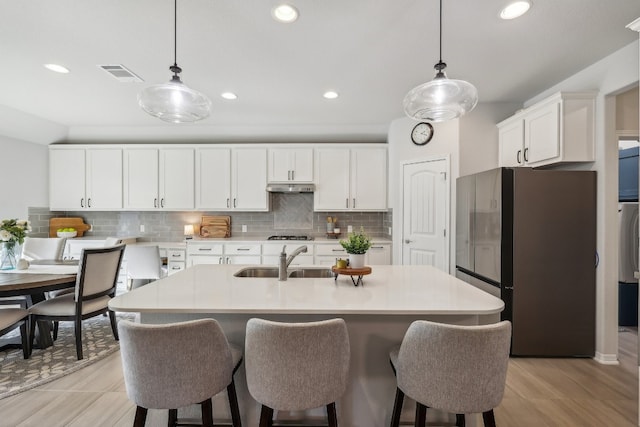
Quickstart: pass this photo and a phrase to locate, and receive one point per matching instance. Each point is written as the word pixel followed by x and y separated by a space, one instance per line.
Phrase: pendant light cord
pixel 440 66
pixel 440 30
pixel 174 68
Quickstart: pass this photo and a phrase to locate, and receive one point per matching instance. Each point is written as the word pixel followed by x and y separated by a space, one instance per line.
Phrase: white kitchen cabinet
pixel 231 179
pixel 159 178
pixel 327 253
pixel 558 129
pixel 378 254
pixel 203 252
pixel 351 179
pixel 242 253
pixel 85 179
pixel 290 165
pixel 176 259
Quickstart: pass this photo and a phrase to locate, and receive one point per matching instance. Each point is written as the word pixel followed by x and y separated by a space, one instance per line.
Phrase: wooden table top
pixel 17 283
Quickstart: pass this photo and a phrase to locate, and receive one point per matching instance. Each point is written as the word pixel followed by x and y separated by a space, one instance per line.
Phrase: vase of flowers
pixel 356 245
pixel 12 234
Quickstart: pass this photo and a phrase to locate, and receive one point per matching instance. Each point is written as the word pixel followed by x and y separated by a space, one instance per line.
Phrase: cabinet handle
pixel 175 267
pixel 228 201
pixel 347 202
pixel 293 175
pixel 204 249
pixel 289 175
pixel 526 151
pixel 243 249
pixel 220 260
pixel 227 261
pixel 234 202
pixel 82 202
pixel 89 202
pixel 162 202
pixel 155 202
pixel 176 255
pixel 354 204
pixel 337 250
pixel 518 156
pixel 377 247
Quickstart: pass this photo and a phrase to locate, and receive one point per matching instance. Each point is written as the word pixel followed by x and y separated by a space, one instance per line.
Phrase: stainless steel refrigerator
pixel 530 235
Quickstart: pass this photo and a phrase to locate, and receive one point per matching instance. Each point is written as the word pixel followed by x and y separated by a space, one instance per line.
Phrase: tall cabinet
pixel 85 178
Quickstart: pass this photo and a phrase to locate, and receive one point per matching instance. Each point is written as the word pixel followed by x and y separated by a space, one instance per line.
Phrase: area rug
pixel 18 375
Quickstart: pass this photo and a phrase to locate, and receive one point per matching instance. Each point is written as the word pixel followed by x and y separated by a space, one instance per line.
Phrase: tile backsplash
pixel 290 214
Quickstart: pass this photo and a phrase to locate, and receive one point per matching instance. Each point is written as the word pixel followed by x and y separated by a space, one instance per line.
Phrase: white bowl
pixel 67 234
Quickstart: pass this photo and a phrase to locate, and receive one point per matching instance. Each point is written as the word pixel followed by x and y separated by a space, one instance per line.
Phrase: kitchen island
pixel 377 315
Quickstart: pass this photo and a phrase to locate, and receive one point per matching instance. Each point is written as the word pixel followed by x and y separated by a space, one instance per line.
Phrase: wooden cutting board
pixel 66 222
pixel 215 226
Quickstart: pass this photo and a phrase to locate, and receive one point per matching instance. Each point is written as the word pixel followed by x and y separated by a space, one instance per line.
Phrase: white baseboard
pixel 606 359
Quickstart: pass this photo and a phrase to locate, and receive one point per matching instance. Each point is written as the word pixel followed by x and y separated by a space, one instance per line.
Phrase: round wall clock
pixel 422 133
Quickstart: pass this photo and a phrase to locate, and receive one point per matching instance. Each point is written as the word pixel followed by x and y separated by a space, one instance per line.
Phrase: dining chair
pixel 11 318
pixel 174 365
pixel 144 265
pixel 457 369
pixel 35 248
pixel 95 286
pixel 296 366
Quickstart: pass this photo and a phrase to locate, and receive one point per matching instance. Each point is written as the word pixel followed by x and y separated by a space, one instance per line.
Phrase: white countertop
pixel 389 289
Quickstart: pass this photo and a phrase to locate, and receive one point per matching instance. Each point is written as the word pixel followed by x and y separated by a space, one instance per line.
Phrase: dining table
pixel 34 282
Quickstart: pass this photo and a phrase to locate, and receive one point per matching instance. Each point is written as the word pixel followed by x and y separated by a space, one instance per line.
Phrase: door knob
pixel 407 241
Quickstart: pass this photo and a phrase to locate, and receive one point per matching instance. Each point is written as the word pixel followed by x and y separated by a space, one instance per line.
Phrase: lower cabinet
pixel 202 252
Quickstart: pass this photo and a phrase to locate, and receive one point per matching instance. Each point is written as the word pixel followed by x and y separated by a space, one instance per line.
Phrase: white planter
pixel 356 260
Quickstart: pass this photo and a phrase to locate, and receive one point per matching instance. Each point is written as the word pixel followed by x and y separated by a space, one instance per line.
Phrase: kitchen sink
pixel 311 272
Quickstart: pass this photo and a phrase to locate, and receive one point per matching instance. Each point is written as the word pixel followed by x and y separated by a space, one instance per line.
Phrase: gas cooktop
pixel 290 237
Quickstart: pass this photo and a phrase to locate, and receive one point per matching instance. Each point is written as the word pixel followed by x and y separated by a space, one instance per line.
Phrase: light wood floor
pixel 540 392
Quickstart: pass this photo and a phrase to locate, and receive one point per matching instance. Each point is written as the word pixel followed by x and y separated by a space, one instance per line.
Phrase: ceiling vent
pixel 121 73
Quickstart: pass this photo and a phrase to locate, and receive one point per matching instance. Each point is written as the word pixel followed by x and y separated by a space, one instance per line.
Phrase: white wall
pixel 609 76
pixel 24 177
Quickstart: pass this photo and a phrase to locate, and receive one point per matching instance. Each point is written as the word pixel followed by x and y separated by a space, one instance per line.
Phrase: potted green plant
pixel 356 245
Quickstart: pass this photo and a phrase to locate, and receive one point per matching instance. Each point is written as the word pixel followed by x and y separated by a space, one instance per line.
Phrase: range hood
pixel 291 188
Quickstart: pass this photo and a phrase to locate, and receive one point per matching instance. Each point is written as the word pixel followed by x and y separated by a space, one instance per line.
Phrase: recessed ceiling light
pixel 330 94
pixel 515 9
pixel 229 95
pixel 57 68
pixel 284 13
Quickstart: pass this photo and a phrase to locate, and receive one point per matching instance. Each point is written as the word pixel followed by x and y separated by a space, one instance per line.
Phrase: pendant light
pixel 173 101
pixel 442 98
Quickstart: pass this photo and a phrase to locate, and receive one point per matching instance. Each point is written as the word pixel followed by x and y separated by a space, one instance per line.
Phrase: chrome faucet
pixel 285 261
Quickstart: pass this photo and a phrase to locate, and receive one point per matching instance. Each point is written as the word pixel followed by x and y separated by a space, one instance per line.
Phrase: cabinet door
pixel 542 134
pixel 213 178
pixel 67 179
pixel 511 139
pixel 302 170
pixel 104 178
pixel 368 179
pixel 280 165
pixel 249 179
pixel 141 178
pixel 177 178
pixel 332 179
pixel 378 254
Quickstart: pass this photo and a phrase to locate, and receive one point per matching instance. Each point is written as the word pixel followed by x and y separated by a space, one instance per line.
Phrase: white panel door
pixel 249 179
pixel 213 178
pixel 67 179
pixel 425 210
pixel 141 178
pixel 177 178
pixel 368 179
pixel 104 178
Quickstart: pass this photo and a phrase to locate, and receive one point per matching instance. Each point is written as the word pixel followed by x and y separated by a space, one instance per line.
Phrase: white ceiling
pixel 370 51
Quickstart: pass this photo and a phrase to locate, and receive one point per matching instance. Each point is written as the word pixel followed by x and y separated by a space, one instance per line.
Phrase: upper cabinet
pixel 85 178
pixel 351 179
pixel 231 179
pixel 159 178
pixel 290 165
pixel 558 129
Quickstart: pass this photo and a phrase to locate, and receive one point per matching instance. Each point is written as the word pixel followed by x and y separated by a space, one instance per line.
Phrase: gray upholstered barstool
pixel 296 366
pixel 174 365
pixel 458 369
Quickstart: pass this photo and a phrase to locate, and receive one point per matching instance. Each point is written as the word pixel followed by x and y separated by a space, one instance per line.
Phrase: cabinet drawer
pixel 175 266
pixel 204 249
pixel 175 255
pixel 240 249
pixel 276 248
pixel 330 250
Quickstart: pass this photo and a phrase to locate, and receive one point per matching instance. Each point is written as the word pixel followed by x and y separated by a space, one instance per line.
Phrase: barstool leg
pixel 460 421
pixel 266 416
pixel 233 404
pixel 207 413
pixel 331 414
pixel 141 417
pixel 421 414
pixel 173 418
pixel 397 408
pixel 489 419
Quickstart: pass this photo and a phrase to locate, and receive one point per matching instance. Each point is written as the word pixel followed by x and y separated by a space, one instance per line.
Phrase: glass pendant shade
pixel 174 102
pixel 440 99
